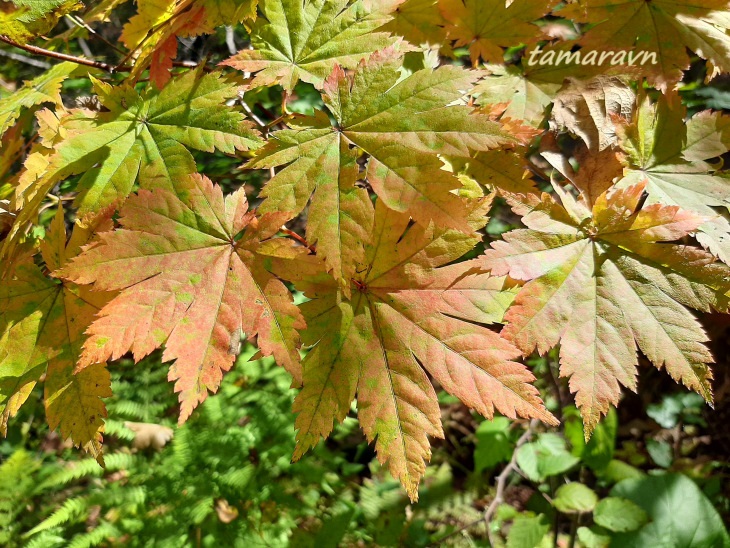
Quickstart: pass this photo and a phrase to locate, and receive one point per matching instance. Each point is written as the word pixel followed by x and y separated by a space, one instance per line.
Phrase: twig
pixel 501 486
pixel 298 238
pixel 60 56
pixel 78 60
pixel 504 476
pixel 71 24
pixel 230 42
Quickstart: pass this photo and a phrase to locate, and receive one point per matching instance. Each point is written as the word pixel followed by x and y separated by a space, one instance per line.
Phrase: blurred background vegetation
pixel 653 475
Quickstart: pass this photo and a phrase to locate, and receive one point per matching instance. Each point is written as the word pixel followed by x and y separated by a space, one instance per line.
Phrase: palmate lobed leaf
pixel 601 283
pixel 142 138
pixel 408 314
pixel 23 20
pixel 304 39
pixel 488 26
pixel 151 35
pixel 45 88
pixel 191 277
pixel 675 157
pixel 402 125
pixel 666 28
pixel 42 324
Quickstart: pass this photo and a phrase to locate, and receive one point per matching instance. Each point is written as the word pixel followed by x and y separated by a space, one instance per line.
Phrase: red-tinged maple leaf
pixel 402 125
pixel 408 315
pixel 659 32
pixel 152 34
pixel 42 323
pixel 192 278
pixel 601 283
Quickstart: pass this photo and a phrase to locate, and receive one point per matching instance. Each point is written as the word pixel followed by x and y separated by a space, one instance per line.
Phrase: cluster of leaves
pixel 388 178
pixel 152 491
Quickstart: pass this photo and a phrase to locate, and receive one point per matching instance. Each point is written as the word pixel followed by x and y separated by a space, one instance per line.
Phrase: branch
pixel 501 486
pixel 60 56
pixel 298 238
pixel 504 476
pixel 106 67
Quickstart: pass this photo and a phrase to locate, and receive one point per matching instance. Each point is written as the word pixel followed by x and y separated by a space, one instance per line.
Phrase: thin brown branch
pixel 501 486
pixel 504 476
pixel 60 56
pixel 298 238
pixel 106 67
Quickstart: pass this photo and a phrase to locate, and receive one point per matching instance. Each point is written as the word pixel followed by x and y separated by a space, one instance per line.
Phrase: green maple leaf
pixel 42 324
pixel 304 39
pixel 45 88
pixel 666 28
pixel 407 314
pixel 488 26
pixel 402 125
pixel 418 21
pixel 601 282
pixel 673 156
pixel 191 277
pixel 23 20
pixel 142 138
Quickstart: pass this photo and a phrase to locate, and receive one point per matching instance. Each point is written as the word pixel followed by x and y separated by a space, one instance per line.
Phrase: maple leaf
pixel 141 138
pixel 418 21
pixel 514 92
pixel 304 39
pixel 401 125
pixel 665 28
pixel 45 88
pixel 499 171
pixel 152 34
pixel 408 314
pixel 191 277
pixel 487 26
pixel 587 108
pixel 600 282
pixel 23 20
pixel 672 155
pixel 42 323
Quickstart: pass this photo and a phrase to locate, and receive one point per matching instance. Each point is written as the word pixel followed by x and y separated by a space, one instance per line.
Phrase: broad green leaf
pixel 594 537
pixel 527 531
pixel 42 324
pixel 493 444
pixel 408 314
pixel 305 39
pixel 191 277
pixel 662 28
pixel 575 498
pixel 685 407
pixel 31 18
pixel 598 452
pixel 681 516
pixel 619 515
pixel 45 88
pixel 548 456
pixel 142 138
pixel 402 126
pixel 601 283
pixel 673 157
